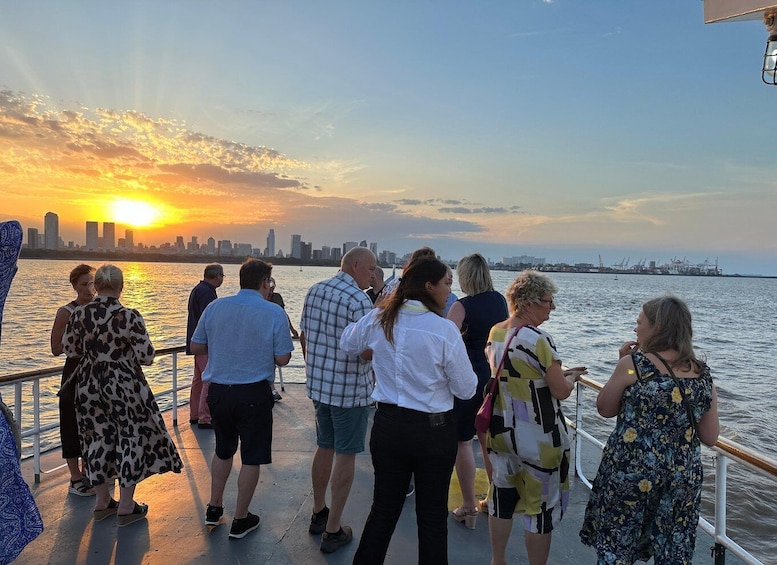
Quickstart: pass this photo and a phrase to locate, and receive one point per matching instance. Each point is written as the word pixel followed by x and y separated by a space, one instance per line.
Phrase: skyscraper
pixel 129 240
pixel 296 246
pixel 109 236
pixel 32 238
pixel 271 243
pixel 91 236
pixel 51 229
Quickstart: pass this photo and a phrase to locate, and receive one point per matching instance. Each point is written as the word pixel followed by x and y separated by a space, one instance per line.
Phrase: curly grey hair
pixel 528 287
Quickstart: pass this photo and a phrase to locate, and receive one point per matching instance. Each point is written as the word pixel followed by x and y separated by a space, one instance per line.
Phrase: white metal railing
pixel 34 377
pixel 725 451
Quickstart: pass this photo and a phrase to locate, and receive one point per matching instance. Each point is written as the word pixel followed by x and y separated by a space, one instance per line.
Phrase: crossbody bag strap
pixel 495 378
pixel 686 402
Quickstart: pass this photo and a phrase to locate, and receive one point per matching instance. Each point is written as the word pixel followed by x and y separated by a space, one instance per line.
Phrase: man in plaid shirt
pixel 340 386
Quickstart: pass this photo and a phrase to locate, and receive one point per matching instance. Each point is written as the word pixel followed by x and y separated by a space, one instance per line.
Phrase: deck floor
pixel 175 533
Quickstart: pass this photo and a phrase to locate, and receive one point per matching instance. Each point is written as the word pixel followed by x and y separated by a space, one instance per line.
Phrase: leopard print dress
pixel 122 431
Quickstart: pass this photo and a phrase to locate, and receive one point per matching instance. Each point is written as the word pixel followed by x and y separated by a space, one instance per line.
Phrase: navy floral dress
pixel 645 497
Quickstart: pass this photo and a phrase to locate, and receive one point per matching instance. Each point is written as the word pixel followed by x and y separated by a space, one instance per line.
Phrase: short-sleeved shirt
pixel 333 376
pixel 202 295
pixel 243 333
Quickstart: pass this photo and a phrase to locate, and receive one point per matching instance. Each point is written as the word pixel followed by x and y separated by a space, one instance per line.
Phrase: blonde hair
pixel 109 277
pixel 473 274
pixel 530 286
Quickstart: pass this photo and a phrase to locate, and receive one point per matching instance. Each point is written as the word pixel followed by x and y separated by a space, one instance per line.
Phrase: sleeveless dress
pixel 481 312
pixel 646 495
pixel 122 431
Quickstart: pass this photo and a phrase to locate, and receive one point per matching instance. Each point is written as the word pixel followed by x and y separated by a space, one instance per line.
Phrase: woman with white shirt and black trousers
pixel 420 364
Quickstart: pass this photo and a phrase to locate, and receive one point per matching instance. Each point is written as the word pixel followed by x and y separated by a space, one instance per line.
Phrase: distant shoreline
pixel 152 257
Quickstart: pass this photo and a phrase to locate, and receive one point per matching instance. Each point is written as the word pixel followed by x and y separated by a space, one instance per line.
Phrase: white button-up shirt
pixel 425 367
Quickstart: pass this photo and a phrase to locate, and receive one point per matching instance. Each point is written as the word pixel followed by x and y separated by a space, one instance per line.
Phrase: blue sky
pixel 562 129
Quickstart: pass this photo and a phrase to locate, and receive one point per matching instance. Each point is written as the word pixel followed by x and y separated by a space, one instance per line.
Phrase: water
pixel 735 322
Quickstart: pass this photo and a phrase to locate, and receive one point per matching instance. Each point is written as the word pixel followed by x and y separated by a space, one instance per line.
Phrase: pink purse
pixel 484 415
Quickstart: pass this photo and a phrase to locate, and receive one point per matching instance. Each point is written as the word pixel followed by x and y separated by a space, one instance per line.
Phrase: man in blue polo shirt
pixel 245 336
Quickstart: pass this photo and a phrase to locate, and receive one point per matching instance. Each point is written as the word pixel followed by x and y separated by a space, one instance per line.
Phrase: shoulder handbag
pixel 484 415
pixel 680 387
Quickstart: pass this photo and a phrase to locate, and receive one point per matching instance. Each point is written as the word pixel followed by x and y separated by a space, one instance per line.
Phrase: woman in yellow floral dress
pixel 645 498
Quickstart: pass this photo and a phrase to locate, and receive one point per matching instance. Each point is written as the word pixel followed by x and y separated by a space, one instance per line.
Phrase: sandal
pixel 467 515
pixel 110 510
pixel 81 487
pixel 138 513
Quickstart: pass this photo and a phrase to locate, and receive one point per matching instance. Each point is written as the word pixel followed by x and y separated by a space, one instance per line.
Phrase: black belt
pixel 434 419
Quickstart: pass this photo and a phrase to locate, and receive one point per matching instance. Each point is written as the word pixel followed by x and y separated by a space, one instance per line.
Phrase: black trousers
pixel 403 443
pixel 68 424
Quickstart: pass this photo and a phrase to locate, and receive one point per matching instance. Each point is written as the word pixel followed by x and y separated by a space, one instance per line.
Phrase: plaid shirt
pixel 334 377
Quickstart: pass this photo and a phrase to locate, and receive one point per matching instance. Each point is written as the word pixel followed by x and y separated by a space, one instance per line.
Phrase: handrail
pixel 725 449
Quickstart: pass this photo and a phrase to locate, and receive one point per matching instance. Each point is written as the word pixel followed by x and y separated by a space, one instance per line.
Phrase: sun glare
pixel 136 213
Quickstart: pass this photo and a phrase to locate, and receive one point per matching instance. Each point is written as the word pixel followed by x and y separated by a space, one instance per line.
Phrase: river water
pixel 735 326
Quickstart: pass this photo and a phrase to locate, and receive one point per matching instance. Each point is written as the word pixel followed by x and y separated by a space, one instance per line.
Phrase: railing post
pixel 17 403
pixel 578 426
pixel 36 424
pixel 175 389
pixel 721 469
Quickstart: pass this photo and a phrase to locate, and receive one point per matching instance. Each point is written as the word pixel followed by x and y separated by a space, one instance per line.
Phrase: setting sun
pixel 135 212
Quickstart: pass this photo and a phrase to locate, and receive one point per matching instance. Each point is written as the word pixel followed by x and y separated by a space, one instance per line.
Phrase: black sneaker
pixel 243 526
pixel 332 542
pixel 213 515
pixel 318 521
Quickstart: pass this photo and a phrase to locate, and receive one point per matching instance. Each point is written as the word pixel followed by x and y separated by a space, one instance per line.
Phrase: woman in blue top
pixel 474 315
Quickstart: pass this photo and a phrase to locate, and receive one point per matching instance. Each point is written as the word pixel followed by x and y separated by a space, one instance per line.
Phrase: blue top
pixel 481 312
pixel 243 333
pixel 202 295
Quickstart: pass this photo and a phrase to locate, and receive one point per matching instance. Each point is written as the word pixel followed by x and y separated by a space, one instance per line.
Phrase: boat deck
pixel 175 533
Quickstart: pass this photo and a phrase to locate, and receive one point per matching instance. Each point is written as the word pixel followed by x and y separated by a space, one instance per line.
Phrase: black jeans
pixel 406 442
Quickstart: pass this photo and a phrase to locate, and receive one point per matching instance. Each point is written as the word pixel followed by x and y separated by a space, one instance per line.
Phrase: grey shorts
pixel 341 429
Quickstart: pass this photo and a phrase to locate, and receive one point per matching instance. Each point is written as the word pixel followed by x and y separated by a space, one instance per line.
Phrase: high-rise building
pixel 348 245
pixel 336 255
pixel 306 251
pixel 179 244
pixel 129 240
pixel 296 247
pixel 51 229
pixel 211 246
pixel 32 238
pixel 374 248
pixel 271 243
pixel 109 236
pixel 91 236
pixel 326 252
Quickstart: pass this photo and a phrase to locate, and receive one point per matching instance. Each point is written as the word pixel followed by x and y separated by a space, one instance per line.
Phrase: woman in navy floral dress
pixel 646 495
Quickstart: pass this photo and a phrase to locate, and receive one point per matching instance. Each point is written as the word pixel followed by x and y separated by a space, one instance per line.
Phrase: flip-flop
pixel 110 510
pixel 138 513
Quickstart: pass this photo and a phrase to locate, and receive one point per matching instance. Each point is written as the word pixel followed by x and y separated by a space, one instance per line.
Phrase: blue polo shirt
pixel 243 333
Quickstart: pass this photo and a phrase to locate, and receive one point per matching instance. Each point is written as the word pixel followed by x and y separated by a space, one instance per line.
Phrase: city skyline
pixel 545 128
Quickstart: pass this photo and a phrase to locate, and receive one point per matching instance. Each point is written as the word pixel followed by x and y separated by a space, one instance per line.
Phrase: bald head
pixel 360 263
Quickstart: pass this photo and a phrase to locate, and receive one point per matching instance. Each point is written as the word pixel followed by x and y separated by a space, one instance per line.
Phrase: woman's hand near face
pixel 628 348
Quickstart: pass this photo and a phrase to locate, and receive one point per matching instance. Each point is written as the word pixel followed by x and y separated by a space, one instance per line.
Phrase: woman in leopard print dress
pixel 122 430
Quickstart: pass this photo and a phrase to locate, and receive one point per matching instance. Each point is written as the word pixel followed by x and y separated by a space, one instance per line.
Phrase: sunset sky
pixel 556 128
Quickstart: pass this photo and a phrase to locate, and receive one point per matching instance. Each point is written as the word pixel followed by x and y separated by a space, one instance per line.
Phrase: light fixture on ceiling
pixel 769 70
